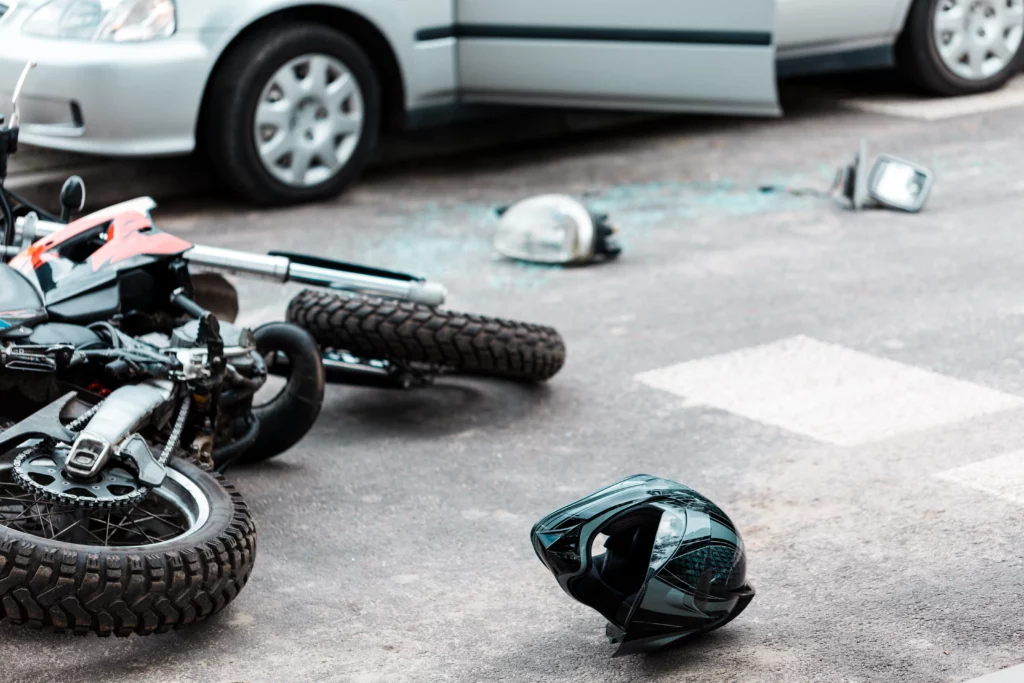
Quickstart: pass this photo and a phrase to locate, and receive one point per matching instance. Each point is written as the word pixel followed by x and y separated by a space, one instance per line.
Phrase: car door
pixel 674 55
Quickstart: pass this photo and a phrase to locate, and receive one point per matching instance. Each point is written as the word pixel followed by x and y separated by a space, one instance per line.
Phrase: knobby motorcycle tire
pixel 56 586
pixel 384 329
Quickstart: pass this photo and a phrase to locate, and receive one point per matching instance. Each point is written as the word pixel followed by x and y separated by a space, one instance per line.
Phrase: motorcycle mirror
pixel 16 97
pixel 72 197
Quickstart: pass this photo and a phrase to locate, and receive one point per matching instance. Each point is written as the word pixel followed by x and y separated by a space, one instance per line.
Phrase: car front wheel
pixel 962 47
pixel 293 115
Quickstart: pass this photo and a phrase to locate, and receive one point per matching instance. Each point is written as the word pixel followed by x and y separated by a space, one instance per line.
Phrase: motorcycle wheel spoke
pixel 77 524
pixel 142 531
pixel 23 516
pixel 129 526
pixel 12 493
pixel 49 523
pixel 16 501
pixel 106 538
pixel 162 519
pixel 115 526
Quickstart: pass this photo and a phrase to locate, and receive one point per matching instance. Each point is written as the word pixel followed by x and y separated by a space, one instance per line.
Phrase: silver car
pixel 287 98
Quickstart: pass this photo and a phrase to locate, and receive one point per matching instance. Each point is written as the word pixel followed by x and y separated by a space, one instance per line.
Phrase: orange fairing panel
pixel 132 234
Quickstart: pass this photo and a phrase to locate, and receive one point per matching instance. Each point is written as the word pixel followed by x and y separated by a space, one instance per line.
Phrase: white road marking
pixel 1001 476
pixel 827 392
pixel 1015 674
pixel 934 109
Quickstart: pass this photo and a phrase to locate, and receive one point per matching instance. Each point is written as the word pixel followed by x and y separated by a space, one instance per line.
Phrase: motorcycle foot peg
pixel 136 451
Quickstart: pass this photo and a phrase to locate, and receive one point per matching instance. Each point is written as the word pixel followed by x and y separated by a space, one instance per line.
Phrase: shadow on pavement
pixel 449 407
pixel 589 656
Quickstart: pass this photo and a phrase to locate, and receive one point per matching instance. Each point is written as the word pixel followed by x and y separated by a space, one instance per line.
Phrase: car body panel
pixel 814 27
pixel 109 98
pixel 829 37
pixel 686 55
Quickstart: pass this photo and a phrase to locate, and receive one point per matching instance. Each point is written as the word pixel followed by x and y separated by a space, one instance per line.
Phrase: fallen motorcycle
pixel 120 398
pixel 125 388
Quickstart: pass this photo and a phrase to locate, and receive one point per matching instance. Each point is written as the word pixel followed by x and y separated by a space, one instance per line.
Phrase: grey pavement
pixel 394 540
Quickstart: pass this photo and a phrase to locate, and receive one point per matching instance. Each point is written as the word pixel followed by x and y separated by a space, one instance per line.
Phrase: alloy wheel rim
pixel 308 120
pixel 978 39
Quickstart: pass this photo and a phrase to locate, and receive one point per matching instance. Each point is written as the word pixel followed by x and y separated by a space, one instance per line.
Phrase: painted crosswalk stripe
pixel 935 109
pixel 827 392
pixel 1001 476
pixel 1014 674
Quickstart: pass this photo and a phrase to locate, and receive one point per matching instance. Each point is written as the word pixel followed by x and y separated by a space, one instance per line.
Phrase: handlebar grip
pixel 428 293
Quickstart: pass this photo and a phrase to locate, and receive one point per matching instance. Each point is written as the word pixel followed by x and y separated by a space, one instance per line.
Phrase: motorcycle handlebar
pixel 276 268
pixel 282 269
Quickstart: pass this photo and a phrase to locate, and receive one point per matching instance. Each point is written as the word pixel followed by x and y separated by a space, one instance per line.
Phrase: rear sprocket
pixel 39 469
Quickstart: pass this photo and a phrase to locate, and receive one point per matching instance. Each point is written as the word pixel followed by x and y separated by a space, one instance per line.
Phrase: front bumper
pixel 118 99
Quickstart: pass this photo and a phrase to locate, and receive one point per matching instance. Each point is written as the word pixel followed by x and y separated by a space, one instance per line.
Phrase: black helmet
pixel 673 563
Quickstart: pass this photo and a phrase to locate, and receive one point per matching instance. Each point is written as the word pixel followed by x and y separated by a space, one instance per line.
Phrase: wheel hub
pixel 978 39
pixel 980 23
pixel 308 120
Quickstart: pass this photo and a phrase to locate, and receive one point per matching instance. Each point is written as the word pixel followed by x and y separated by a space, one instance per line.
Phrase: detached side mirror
pixel 899 184
pixel 72 197
pixel 890 183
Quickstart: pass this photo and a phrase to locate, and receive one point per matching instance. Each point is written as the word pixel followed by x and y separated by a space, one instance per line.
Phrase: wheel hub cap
pixel 308 120
pixel 978 39
pixel 310 123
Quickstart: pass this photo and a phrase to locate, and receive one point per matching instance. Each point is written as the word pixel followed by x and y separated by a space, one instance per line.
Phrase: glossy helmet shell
pixel 672 564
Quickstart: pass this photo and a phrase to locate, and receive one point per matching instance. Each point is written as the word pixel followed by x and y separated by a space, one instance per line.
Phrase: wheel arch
pixel 901 12
pixel 364 32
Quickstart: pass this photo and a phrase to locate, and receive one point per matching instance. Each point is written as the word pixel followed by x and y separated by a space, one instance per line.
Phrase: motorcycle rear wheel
pixel 401 331
pixel 67 570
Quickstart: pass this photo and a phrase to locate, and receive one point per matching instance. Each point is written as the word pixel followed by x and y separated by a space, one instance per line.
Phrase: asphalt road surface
pixel 847 386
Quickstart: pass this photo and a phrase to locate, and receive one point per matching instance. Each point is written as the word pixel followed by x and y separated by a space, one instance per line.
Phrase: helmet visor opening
pixel 620 560
pixel 627 547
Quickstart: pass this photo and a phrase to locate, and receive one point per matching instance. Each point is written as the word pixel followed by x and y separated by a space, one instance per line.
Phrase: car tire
pixel 920 56
pixel 242 82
